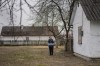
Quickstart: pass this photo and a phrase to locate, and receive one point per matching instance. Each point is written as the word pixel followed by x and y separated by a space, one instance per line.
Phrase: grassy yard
pixel 39 56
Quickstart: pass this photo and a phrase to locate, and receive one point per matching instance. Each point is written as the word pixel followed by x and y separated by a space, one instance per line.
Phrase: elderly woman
pixel 51 45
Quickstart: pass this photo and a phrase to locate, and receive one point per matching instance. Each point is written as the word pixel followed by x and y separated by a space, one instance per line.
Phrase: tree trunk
pixel 66 42
pixel 56 43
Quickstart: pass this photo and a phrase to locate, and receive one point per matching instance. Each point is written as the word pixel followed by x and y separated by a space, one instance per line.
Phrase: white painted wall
pixel 79 20
pixel 30 38
pixel 95 39
pixel 90 46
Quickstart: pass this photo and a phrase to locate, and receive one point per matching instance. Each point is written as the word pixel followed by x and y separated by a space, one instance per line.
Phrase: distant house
pixel 85 19
pixel 27 33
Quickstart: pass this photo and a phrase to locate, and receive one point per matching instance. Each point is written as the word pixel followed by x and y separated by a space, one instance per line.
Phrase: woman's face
pixel 50 37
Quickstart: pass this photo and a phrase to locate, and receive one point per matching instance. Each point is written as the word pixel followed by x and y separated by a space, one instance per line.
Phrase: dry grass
pixel 39 56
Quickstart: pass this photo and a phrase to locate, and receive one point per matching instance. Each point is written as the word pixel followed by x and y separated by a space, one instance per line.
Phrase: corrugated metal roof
pixel 91 9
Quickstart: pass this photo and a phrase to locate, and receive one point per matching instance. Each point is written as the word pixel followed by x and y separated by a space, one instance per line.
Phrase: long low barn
pixel 26 34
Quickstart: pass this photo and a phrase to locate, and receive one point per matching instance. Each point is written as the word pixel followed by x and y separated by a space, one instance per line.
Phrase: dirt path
pixel 39 56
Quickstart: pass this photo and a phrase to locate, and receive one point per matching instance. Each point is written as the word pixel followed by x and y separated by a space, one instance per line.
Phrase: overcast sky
pixel 4 17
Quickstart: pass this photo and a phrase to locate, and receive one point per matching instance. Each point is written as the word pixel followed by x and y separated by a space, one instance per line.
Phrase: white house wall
pixel 95 39
pixel 30 38
pixel 81 20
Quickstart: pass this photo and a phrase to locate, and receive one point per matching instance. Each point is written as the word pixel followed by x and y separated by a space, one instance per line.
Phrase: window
pixel 80 34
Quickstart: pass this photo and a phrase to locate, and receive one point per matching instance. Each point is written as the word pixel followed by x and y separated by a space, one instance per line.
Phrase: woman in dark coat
pixel 51 45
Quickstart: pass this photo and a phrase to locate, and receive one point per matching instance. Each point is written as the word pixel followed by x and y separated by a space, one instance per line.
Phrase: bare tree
pixel 50 12
pixel 60 13
pixel 0 2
